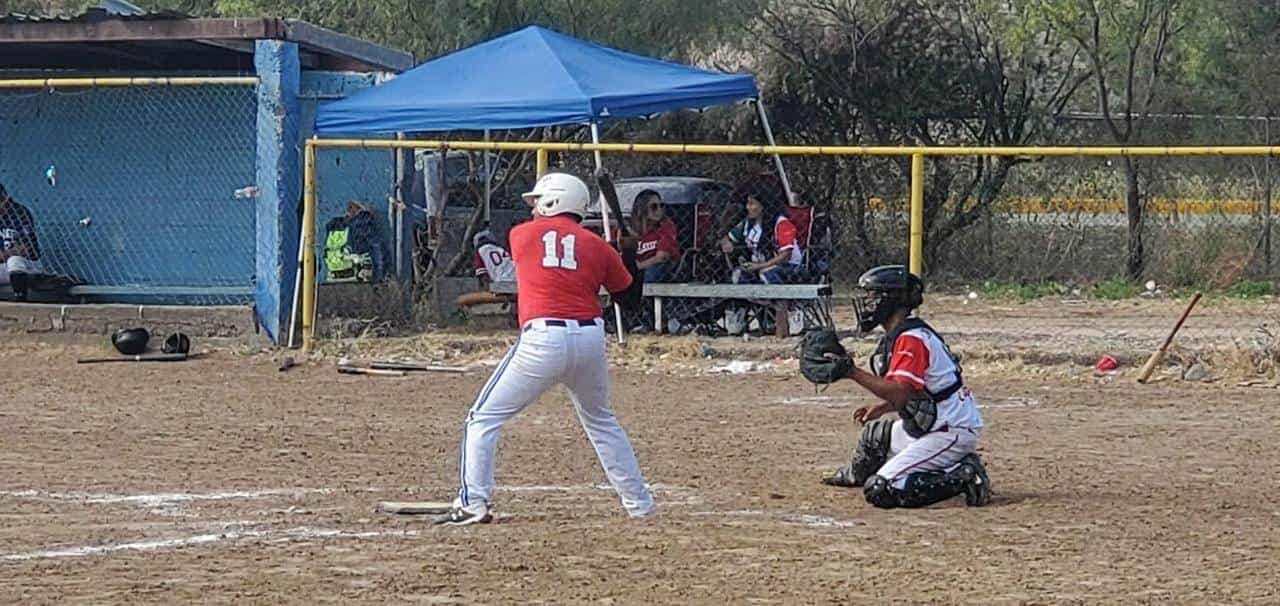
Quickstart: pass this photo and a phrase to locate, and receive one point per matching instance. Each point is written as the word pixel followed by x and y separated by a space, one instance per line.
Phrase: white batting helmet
pixel 557 194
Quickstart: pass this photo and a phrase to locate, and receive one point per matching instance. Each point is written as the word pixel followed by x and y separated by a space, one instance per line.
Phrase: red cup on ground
pixel 1106 364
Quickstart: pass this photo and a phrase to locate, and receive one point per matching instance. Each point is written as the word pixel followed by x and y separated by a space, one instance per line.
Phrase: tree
pixel 1129 47
pixel 915 72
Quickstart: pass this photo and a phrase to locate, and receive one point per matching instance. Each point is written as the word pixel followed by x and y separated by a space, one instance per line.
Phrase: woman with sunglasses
pixel 657 250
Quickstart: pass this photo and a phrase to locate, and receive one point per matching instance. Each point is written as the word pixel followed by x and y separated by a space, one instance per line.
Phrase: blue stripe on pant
pixel 479 403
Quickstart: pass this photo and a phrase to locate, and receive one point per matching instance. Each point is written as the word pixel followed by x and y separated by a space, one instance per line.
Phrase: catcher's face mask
pixel 873 307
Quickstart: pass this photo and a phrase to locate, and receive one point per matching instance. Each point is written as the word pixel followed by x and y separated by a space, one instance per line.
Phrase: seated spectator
pixel 800 213
pixel 19 247
pixel 773 255
pixel 657 250
pixel 492 262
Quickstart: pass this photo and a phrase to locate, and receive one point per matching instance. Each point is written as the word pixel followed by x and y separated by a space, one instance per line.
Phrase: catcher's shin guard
pixel 869 456
pixel 925 488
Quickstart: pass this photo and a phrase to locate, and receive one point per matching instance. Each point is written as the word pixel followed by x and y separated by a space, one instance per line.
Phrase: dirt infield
pixel 224 480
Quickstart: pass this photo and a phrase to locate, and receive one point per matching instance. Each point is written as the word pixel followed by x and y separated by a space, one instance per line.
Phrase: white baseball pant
pixel 934 451
pixel 545 355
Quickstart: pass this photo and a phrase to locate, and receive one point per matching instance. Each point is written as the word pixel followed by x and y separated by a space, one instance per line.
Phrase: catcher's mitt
pixel 823 360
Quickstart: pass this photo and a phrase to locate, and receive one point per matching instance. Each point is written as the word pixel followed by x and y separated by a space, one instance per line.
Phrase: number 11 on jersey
pixel 562 258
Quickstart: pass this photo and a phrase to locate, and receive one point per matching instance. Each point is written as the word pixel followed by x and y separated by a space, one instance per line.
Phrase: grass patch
pixel 1251 289
pixel 1022 291
pixel 1114 289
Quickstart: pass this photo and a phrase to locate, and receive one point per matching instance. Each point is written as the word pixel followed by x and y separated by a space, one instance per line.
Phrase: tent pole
pixel 488 180
pixel 777 159
pixel 608 234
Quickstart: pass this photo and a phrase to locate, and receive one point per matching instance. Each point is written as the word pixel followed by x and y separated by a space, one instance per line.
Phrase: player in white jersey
pixel 928 454
pixel 492 262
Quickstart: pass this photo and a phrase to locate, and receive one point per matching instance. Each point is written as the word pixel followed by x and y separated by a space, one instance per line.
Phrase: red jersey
pixel 660 238
pixel 802 218
pixel 560 267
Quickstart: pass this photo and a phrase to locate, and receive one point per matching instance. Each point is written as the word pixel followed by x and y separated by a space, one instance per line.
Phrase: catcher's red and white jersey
pixel 921 360
pixel 560 267
pixel 494 262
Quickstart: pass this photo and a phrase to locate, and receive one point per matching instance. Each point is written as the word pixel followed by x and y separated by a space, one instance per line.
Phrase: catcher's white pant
pixel 572 355
pixel 934 451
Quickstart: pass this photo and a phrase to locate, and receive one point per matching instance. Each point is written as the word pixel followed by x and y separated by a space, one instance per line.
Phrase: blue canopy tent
pixel 526 79
pixel 531 78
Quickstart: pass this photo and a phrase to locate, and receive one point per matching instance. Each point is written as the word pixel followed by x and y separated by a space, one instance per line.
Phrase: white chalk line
pixel 160 500
pixel 822 401
pixel 1014 402
pixel 299 533
pixel 803 519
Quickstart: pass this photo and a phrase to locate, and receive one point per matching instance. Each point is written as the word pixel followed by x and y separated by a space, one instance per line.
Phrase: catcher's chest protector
pixel 884 353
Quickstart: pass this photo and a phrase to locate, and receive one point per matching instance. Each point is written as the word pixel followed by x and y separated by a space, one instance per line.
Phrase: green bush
pixel 1115 289
pixel 1251 289
pixel 1022 292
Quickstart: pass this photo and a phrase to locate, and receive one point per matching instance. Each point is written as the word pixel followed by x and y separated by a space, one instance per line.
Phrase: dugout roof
pixel 101 40
pixel 526 79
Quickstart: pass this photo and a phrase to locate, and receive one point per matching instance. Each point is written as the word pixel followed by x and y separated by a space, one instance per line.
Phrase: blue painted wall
pixel 146 181
pixel 278 181
pixel 145 184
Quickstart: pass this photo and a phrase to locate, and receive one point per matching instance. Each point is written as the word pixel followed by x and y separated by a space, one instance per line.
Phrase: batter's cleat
pixel 977 486
pixel 458 516
pixel 842 477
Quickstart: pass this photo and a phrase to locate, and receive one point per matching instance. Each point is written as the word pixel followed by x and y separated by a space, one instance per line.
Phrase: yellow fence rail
pixel 124 82
pixel 916 153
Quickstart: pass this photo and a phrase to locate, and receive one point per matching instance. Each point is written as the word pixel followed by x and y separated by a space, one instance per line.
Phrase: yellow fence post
pixel 917 214
pixel 308 268
pixel 542 162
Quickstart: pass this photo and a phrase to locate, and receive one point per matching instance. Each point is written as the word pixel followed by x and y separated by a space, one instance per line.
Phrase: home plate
pixel 824 401
pixel 413 507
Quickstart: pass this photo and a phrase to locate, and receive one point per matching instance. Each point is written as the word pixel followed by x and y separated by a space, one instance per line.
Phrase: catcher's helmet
pixel 176 343
pixel 557 194
pixel 884 290
pixel 131 341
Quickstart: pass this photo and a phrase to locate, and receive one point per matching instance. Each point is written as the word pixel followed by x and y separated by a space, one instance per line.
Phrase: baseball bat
pixel 417 367
pixel 1158 354
pixel 356 370
pixel 610 194
pixel 480 298
pixel 413 507
pixel 162 357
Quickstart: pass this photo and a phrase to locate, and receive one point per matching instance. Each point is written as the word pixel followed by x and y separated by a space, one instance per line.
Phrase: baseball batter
pixel 560 267
pixel 928 454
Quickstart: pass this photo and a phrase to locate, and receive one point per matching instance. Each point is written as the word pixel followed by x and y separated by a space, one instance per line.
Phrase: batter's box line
pixel 299 533
pixel 159 501
pixel 804 519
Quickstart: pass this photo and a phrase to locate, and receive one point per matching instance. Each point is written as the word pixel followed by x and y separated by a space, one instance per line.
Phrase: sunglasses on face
pixel 656 206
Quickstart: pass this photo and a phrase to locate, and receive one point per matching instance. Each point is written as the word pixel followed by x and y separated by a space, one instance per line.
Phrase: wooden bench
pixel 818 295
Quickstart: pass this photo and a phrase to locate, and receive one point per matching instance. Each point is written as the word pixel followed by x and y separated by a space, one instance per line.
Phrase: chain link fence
pixel 1029 250
pixel 137 191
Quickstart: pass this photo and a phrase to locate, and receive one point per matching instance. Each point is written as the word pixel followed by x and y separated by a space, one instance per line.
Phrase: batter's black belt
pixel 562 323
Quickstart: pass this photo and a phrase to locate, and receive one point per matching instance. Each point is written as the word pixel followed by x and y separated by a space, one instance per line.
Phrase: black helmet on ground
pixel 884 290
pixel 131 341
pixel 176 343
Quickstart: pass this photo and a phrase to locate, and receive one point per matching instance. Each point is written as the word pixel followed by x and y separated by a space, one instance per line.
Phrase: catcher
pixel 927 454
